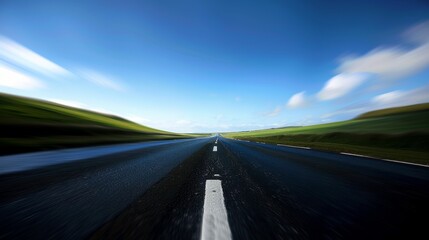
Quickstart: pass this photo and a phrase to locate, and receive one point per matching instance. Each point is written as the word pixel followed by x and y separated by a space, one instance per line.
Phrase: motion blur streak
pixel 269 192
pixel 92 192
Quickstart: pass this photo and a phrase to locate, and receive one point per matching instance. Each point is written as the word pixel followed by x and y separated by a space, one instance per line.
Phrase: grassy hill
pixel 395 111
pixel 395 133
pixel 28 125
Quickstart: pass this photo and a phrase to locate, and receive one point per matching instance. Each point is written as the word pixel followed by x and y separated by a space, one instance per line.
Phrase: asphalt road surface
pixel 209 188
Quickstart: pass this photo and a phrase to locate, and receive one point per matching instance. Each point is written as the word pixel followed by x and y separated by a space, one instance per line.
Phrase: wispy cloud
pixel 275 112
pixel 19 55
pixel 418 34
pixel 12 78
pixel 388 63
pixel 298 100
pixel 15 54
pixel 341 85
pixel 386 100
pixel 401 98
pixel 101 80
pixel 382 63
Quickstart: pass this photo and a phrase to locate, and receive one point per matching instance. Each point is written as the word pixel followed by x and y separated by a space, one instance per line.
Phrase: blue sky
pixel 207 66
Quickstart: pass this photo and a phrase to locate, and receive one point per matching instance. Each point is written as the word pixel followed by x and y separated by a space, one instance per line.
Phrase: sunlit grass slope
pixel 398 133
pixel 28 125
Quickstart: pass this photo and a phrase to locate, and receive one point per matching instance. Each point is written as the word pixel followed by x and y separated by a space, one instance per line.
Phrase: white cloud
pixel 393 62
pixel 401 98
pixel 101 80
pixel 16 54
pixel 383 63
pixel 388 63
pixel 275 112
pixel 385 100
pixel 12 78
pixel 297 100
pixel 19 55
pixel 340 85
pixel 418 34
pixel 388 98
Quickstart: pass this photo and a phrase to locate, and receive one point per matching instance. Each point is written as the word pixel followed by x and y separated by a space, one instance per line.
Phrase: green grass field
pixel 30 125
pixel 394 133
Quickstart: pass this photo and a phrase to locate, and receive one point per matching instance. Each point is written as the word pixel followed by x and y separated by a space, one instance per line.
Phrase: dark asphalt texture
pixel 271 192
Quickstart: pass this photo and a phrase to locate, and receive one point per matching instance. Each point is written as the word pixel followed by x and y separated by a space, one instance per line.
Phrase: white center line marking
pixel 215 218
pixel 215 149
pixel 217 175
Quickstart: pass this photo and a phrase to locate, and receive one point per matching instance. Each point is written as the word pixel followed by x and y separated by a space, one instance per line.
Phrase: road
pixel 209 188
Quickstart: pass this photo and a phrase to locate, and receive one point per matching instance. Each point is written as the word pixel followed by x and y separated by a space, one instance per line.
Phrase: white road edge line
pixel 214 148
pixel 284 145
pixel 383 159
pixel 359 155
pixel 353 154
pixel 215 219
